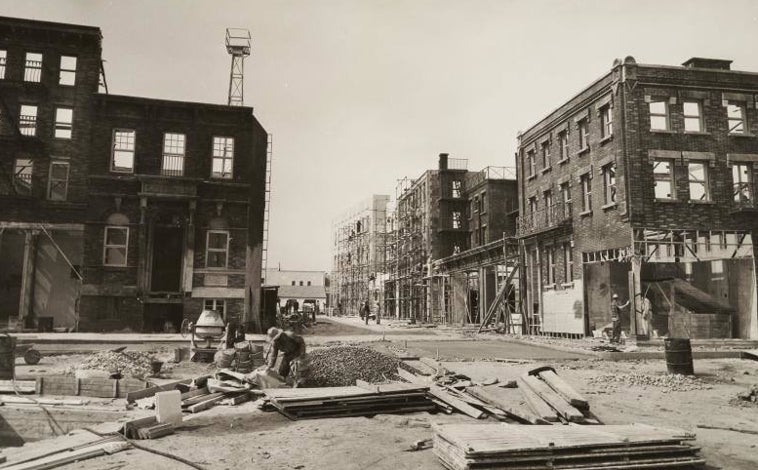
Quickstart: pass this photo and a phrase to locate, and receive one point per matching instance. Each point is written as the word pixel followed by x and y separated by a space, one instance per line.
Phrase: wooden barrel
pixel 679 356
pixel 7 357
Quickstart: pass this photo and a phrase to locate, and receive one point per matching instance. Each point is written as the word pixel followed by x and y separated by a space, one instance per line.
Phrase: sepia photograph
pixel 378 234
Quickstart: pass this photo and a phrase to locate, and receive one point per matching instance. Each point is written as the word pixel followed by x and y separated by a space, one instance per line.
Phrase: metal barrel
pixel 7 357
pixel 679 356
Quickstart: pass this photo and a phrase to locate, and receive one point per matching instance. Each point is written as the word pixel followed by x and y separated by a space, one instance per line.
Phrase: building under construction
pixel 442 221
pixel 359 259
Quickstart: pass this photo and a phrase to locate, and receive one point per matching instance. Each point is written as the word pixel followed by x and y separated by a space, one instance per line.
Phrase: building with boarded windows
pixel 642 185
pixel 120 212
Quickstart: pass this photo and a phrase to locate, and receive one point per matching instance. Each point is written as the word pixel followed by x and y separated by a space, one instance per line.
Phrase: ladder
pixel 267 199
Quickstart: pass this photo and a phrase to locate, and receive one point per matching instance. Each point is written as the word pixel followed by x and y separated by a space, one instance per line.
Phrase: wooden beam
pixel 537 404
pixel 565 390
pixel 555 401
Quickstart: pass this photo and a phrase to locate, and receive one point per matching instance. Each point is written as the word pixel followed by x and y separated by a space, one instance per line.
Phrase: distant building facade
pixel 642 185
pixel 298 285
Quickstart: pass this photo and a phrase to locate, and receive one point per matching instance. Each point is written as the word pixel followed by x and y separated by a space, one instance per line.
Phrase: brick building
pixel 120 212
pixel 643 185
pixel 445 213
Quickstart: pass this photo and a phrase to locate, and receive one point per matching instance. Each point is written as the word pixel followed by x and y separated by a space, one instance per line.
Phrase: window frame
pixel 225 250
pixel 563 147
pixel 22 120
pixel 666 115
pixel 545 151
pixel 568 263
pixel 606 121
pixel 133 151
pixel 214 303
pixel 550 262
pixel 533 208
pixel 3 63
pixel 531 163
pixel 455 188
pixel 457 219
pixel 669 177
pixel 547 197
pixel 67 71
pixel 704 181
pixel 690 117
pixel 586 184
pixel 739 186
pixel 743 117
pixel 18 180
pixel 29 74
pixel 609 184
pixel 583 127
pixel 565 189
pixel 51 180
pixel 107 246
pixel 168 154
pixel 222 158
pixel 63 126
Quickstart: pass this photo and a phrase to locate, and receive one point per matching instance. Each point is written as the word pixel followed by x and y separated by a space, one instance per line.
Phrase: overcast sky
pixel 359 93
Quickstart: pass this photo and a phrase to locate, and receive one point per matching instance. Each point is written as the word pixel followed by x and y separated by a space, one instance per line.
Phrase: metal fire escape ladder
pixel 267 202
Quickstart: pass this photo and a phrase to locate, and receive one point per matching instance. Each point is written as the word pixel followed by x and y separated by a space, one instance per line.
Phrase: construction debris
pixel 341 366
pixel 468 446
pixel 327 402
pixel 132 363
pixel 748 397
pixel 670 382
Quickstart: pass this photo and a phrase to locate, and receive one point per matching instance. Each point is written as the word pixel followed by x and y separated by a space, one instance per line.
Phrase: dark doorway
pixel 162 318
pixel 11 270
pixel 167 259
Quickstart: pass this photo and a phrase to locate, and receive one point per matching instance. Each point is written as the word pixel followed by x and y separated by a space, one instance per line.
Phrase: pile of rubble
pixel 126 363
pixel 669 382
pixel 341 366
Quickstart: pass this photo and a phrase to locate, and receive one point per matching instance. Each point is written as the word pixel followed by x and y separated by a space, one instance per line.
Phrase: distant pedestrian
pixel 647 317
pixel 365 310
pixel 616 317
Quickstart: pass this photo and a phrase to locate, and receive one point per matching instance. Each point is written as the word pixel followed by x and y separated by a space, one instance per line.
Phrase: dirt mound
pixel 340 366
pixel 128 363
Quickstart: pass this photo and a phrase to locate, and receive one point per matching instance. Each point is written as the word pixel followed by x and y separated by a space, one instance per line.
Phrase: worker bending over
pixel 289 344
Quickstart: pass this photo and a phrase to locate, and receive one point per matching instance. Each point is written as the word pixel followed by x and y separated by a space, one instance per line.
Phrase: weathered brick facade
pixel 650 150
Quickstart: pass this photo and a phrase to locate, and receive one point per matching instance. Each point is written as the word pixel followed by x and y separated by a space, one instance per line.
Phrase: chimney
pixel 714 64
pixel 443 161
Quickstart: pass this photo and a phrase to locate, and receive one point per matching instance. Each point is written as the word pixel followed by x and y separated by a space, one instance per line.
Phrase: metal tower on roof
pixel 238 46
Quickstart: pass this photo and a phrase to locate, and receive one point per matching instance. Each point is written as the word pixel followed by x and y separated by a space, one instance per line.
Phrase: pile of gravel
pixel 669 382
pixel 340 366
pixel 128 363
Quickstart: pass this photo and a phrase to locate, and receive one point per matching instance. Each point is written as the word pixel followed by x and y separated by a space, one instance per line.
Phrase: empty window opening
pixel 548 197
pixel 586 181
pixel 735 112
pixel 22 176
pixel 659 115
pixel 698 182
pixel 663 174
pixel 563 145
pixel 742 177
pixel 64 119
pixel 584 135
pixel 115 246
pixel 606 121
pixel 123 150
pixel 33 67
pixel 566 199
pixel 530 163
pixel 67 73
pixel 217 249
pixel 173 154
pixel 58 181
pixel 223 157
pixel 568 263
pixel 27 120
pixel 546 154
pixel 693 116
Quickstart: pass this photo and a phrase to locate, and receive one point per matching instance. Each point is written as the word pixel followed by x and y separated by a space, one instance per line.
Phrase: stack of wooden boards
pixel 146 428
pixel 514 447
pixel 363 400
pixel 99 387
pixel 538 397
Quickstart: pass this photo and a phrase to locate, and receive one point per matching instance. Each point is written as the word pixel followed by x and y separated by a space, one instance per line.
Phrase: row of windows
pixel 301 283
pixel 63 124
pixel 116 247
pixel 174 154
pixel 698 181
pixel 693 118
pixel 550 257
pixel 606 132
pixel 33 67
pixel 57 181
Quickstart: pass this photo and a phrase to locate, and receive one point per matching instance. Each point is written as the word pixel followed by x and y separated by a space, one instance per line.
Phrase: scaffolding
pixel 359 257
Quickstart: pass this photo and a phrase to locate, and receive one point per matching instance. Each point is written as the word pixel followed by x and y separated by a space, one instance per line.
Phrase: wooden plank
pixel 14 400
pixel 204 405
pixel 194 393
pixel 20 386
pixel 506 400
pixel 150 391
pixel 431 363
pixel 200 398
pixel 565 390
pixel 536 403
pixel 420 367
pixel 63 458
pixel 440 394
pixel 234 401
pixel 557 402
pixel 750 354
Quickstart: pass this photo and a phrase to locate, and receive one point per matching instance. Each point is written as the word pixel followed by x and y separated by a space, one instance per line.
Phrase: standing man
pixel 616 317
pixel 365 310
pixel 647 316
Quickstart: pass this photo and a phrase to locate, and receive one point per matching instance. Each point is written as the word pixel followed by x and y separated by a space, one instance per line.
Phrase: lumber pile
pixel 146 428
pixel 366 400
pixel 73 447
pixel 618 447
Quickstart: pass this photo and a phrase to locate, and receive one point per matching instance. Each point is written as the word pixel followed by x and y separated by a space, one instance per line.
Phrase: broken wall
pixel 56 285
